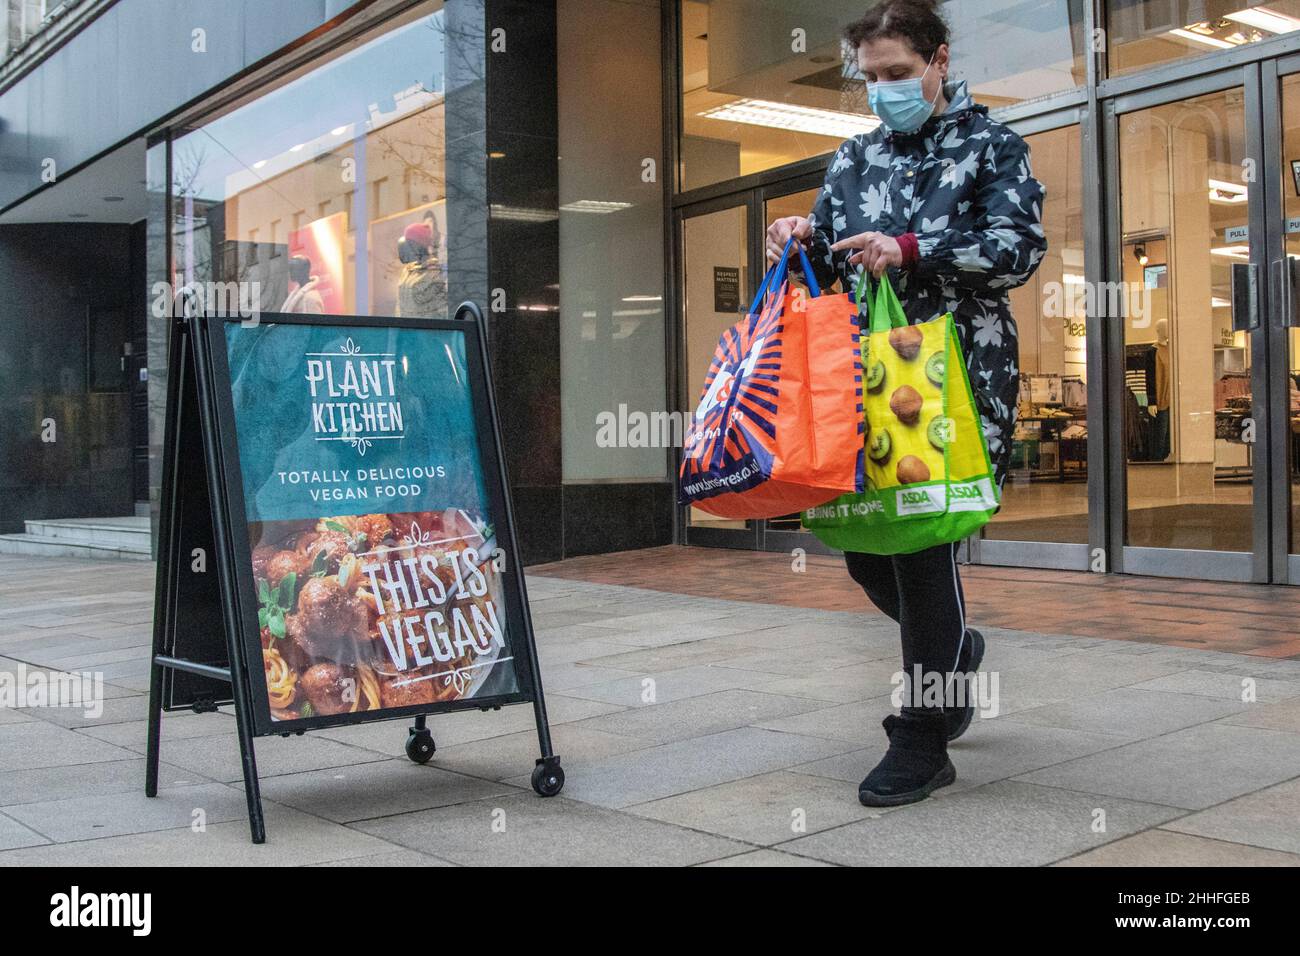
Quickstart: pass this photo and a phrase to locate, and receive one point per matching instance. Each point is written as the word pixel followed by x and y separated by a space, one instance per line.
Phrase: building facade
pixel 598 174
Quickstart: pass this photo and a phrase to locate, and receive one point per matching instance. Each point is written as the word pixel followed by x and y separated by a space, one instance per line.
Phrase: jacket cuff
pixel 907 243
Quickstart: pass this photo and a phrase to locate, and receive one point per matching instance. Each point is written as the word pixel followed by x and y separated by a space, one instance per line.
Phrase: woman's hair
pixel 916 21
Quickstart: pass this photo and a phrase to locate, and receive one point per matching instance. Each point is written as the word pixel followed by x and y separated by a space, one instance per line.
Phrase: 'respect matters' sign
pixel 372 545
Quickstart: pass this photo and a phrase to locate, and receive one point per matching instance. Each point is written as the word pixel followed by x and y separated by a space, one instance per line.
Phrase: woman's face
pixel 891 58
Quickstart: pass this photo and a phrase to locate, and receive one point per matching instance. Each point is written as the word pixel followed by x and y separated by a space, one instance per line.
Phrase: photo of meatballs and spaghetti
pixel 376 611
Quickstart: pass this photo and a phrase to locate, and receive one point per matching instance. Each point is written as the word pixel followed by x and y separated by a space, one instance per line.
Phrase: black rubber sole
pixel 976 658
pixel 944 777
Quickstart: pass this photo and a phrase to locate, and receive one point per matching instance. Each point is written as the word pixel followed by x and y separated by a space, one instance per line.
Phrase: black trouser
pixel 922 592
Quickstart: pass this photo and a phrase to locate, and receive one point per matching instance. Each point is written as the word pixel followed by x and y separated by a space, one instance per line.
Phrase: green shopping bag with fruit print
pixel 927 475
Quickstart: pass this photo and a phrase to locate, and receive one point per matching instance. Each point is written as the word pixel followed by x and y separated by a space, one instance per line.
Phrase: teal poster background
pixel 374 555
pixel 293 470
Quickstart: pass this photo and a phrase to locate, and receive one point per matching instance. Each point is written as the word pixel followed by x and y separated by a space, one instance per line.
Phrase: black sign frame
pixel 203 672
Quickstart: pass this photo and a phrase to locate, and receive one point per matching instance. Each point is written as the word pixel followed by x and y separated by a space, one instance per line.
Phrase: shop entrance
pixel 1205 410
pixel 1045 520
pixel 73 365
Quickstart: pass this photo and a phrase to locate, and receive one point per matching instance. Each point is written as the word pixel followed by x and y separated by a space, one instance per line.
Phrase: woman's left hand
pixel 876 251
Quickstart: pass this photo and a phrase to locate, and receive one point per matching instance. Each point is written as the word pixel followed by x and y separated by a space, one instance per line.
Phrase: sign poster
pixel 378 578
pixel 726 289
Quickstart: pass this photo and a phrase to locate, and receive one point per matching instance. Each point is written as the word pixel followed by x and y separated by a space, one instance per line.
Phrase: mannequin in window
pixel 304 296
pixel 1163 396
pixel 421 290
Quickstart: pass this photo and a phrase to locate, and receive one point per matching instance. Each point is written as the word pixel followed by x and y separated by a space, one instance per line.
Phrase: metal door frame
pixel 1285 565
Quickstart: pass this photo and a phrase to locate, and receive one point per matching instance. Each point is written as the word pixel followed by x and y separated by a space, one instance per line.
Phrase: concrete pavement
pixel 692 730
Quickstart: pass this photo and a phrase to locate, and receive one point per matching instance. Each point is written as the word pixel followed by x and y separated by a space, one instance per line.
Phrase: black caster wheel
pixel 548 781
pixel 420 746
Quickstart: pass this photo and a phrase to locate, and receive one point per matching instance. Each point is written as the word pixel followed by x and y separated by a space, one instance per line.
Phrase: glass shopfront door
pixel 1201 354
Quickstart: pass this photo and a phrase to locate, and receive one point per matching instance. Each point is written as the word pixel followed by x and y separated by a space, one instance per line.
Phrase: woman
pixel 941 198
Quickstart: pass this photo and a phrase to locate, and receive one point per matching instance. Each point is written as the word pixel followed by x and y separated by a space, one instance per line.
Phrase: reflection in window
pixel 764 84
pixel 329 194
pixel 1045 497
pixel 1144 33
pixel 611 236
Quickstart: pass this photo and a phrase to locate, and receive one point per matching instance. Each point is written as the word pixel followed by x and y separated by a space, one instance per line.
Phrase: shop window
pixel 612 342
pixel 1146 33
pixel 335 138
pixel 1045 496
pixel 764 84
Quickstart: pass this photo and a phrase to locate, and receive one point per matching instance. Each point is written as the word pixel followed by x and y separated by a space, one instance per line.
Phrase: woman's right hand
pixel 779 233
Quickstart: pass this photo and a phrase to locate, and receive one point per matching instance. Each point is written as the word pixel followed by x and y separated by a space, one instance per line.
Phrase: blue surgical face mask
pixel 901 104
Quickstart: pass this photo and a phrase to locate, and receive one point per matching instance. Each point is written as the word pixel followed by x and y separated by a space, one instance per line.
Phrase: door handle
pixel 1282 282
pixel 1245 308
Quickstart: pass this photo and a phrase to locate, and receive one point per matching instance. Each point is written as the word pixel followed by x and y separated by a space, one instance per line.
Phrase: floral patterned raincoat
pixel 963 185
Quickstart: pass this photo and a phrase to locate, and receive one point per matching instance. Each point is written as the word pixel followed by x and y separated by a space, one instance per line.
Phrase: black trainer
pixel 968 662
pixel 915 765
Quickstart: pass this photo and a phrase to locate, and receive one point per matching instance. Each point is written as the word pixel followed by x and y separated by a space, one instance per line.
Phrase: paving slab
pixel 1193 768
pixel 176 726
pixel 218 757
pixel 1002 824
pixel 857 722
pixel 1227 686
pixel 505 758
pixel 389 736
pixel 1284 716
pixel 1268 818
pixel 843 685
pixel 27 746
pixel 658 687
pixel 655 772
pixel 1131 712
pixel 700 716
pixel 527 830
pixel 996 749
pixel 765 858
pixel 90 816
pixel 811 658
pixel 850 766
pixel 115 710
pixel 293 838
pixel 10 715
pixel 392 858
pixel 366 791
pixel 1056 679
pixel 766 809
pixel 1160 847
pixel 117 776
pixel 14 835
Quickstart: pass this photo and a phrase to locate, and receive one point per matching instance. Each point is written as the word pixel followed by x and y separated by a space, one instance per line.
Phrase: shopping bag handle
pixel 886 312
pixel 776 275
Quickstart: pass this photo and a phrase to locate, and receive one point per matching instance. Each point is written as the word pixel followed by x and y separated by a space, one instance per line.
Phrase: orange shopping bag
pixel 779 426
